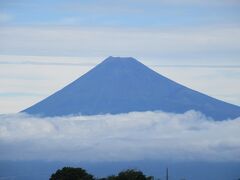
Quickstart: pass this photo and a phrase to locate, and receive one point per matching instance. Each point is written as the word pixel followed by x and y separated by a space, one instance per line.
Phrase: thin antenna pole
pixel 167 174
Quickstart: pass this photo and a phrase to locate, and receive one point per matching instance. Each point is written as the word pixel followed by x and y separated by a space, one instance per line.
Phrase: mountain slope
pixel 121 85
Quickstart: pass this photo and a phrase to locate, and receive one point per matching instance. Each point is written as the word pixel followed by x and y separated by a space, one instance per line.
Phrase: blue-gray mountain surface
pixel 122 85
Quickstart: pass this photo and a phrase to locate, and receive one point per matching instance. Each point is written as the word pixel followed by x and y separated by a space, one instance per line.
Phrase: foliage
pixel 69 173
pixel 130 174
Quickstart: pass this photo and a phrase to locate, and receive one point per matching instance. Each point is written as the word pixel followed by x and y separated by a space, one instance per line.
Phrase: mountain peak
pixel 118 58
pixel 121 64
pixel 112 59
pixel 122 85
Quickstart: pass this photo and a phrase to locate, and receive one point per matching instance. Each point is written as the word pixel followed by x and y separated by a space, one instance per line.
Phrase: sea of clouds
pixel 124 137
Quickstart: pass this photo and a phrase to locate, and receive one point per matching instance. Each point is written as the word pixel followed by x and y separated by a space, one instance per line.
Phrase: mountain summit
pixel 121 85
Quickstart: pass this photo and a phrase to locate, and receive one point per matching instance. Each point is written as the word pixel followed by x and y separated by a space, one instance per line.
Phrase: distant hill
pixel 121 85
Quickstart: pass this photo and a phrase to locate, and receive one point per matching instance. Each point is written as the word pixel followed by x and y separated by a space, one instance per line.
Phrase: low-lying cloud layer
pixel 123 137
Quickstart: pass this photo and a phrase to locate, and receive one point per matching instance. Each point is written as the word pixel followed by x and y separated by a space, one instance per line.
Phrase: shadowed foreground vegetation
pixel 69 173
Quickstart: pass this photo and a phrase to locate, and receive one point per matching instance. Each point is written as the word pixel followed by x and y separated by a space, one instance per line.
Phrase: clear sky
pixel 45 44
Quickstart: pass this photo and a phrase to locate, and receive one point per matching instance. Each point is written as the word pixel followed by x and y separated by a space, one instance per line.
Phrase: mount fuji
pixel 122 85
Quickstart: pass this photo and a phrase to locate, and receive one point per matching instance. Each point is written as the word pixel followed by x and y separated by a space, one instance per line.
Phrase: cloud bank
pixel 125 137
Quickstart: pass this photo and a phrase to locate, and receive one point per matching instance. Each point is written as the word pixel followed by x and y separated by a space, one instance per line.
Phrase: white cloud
pixel 133 136
pixel 76 41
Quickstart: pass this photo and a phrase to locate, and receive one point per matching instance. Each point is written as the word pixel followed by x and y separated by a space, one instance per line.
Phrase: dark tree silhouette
pixel 130 174
pixel 69 173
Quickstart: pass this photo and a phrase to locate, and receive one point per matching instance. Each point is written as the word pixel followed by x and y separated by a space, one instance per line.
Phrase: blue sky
pixel 184 16
pixel 123 13
pixel 64 39
pixel 184 19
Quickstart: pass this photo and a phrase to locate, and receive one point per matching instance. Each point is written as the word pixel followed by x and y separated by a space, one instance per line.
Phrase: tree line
pixel 70 173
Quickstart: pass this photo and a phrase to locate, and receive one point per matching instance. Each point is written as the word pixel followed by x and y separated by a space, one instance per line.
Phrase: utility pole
pixel 167 174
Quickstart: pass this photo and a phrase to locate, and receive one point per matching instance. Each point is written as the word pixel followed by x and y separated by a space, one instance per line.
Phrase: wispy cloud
pixel 16 94
pixel 47 63
pixel 92 64
pixel 197 66
pixel 76 41
pixel 134 136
